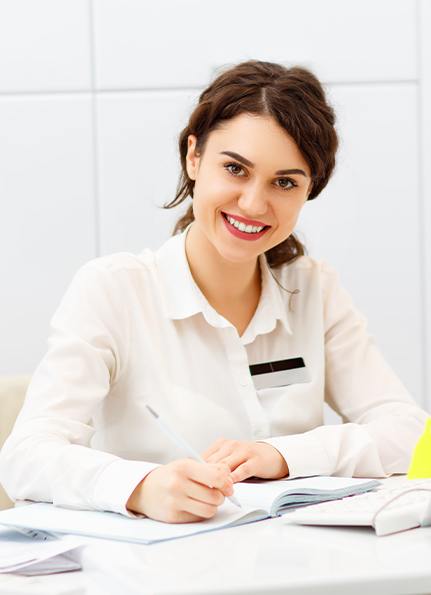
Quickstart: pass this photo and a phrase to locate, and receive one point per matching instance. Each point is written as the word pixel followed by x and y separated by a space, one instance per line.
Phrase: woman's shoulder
pixel 308 267
pixel 118 262
pixel 108 281
pixel 114 273
pixel 315 278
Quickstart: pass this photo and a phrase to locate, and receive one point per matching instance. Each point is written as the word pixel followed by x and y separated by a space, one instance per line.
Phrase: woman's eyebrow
pixel 245 161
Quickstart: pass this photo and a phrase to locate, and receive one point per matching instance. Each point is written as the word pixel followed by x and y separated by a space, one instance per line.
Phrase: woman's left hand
pixel 247 459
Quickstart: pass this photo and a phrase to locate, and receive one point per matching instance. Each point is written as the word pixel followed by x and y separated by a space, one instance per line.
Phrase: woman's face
pixel 250 184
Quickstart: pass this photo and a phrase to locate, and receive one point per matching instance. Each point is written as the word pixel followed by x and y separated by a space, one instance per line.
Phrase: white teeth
pixel 243 227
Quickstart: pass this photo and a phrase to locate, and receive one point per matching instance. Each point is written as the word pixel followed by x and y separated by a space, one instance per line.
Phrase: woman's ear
pixel 192 157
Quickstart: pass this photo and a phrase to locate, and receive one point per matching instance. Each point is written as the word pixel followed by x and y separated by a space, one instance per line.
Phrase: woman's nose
pixel 253 202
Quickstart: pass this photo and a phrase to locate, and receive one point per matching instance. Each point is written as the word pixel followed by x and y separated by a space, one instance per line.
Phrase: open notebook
pixel 259 499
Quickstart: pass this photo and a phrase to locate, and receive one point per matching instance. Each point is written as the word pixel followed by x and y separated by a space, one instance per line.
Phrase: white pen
pixel 183 444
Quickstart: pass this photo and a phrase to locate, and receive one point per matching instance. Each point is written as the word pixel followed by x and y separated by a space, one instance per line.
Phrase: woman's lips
pixel 245 221
pixel 243 235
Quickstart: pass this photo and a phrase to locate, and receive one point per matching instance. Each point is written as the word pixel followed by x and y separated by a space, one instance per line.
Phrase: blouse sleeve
pixel 382 422
pixel 47 457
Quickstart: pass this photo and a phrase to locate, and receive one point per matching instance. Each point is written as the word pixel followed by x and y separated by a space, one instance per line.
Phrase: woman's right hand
pixel 183 491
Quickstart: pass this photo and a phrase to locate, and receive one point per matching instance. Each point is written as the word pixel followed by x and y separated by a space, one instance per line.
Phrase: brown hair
pixel 294 98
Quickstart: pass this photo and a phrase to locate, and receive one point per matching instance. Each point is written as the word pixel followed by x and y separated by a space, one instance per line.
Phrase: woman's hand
pixel 182 491
pixel 247 459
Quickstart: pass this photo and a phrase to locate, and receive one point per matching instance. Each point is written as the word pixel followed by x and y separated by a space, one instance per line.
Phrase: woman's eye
pixel 289 183
pixel 235 167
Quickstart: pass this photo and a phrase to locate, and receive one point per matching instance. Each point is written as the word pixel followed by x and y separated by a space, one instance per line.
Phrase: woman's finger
pixel 243 471
pixel 204 494
pixel 222 453
pixel 201 509
pixel 210 475
pixel 234 460
pixel 223 448
pixel 213 448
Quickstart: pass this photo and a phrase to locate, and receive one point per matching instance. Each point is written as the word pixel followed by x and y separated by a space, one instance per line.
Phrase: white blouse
pixel 135 329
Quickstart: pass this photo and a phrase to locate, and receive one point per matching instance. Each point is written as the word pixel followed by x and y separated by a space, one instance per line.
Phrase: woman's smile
pixel 244 229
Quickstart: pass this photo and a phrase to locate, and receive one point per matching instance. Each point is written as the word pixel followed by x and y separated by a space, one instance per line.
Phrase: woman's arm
pixel 47 456
pixel 383 422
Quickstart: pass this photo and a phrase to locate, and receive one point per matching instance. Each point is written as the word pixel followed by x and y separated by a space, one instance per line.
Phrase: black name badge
pixel 280 373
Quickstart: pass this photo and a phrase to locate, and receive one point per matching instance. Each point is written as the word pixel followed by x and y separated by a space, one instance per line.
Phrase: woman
pixel 228 331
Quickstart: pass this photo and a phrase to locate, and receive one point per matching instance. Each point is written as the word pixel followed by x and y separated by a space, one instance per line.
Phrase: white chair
pixel 12 393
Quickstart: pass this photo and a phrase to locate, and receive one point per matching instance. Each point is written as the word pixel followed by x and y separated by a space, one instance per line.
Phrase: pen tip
pixel 235 501
pixel 151 411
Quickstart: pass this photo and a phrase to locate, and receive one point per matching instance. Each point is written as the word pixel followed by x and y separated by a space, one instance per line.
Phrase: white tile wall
pixel 366 222
pixel 44 45
pixel 139 166
pixel 47 216
pixel 169 43
pixel 424 123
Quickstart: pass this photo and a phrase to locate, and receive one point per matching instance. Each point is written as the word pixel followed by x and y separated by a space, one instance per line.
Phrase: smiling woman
pixel 291 104
pixel 205 331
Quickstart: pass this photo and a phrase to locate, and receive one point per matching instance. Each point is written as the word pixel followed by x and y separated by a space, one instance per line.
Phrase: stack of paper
pixel 36 552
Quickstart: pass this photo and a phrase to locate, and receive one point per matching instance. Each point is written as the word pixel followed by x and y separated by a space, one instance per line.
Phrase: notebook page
pixel 111 525
pixel 262 494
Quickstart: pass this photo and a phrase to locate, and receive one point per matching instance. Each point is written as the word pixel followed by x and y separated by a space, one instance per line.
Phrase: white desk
pixel 267 557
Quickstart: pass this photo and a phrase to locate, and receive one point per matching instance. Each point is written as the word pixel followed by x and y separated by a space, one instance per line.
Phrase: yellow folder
pixel 420 465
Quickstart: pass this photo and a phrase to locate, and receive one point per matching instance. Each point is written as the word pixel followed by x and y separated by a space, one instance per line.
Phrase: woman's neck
pixel 222 282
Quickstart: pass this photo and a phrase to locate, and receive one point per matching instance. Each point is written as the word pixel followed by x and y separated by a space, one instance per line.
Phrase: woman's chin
pixel 237 256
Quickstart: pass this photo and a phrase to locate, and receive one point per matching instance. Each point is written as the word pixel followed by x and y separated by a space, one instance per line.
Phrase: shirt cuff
pixel 304 454
pixel 116 483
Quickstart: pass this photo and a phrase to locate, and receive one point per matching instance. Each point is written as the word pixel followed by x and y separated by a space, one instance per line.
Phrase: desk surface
pixel 267 557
